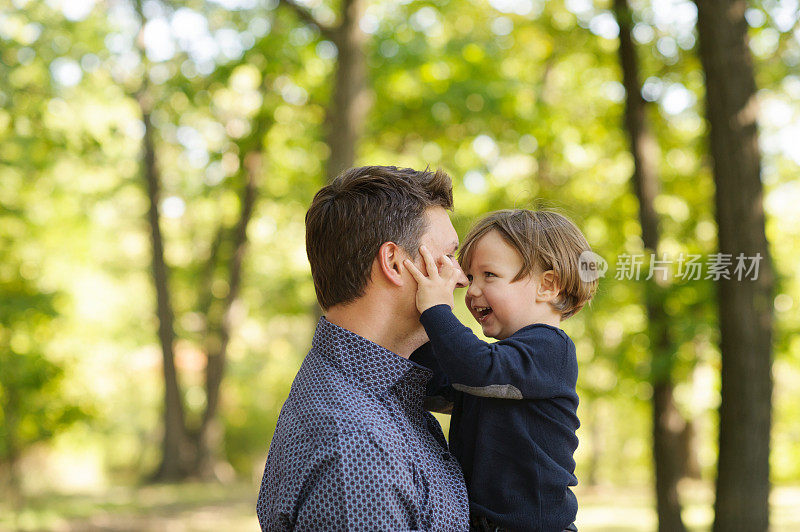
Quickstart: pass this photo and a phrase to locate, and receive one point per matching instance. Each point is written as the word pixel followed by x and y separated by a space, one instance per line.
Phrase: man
pixel 354 448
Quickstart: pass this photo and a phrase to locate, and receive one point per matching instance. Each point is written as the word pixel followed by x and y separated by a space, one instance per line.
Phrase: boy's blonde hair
pixel 546 241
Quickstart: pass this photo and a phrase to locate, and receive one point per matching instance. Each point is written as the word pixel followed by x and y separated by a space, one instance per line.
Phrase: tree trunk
pixel 174 446
pixel 188 452
pixel 347 111
pixel 209 438
pixel 668 424
pixel 690 464
pixel 745 306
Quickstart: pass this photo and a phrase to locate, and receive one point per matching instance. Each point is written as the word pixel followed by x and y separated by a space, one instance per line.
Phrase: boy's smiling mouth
pixel 481 313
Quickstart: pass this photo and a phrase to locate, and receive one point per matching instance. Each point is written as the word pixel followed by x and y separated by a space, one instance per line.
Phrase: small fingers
pixel 430 263
pixel 413 270
pixel 447 265
pixel 450 271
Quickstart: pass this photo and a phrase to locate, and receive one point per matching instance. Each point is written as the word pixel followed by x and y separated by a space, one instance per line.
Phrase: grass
pixel 631 509
pixel 164 507
pixel 216 507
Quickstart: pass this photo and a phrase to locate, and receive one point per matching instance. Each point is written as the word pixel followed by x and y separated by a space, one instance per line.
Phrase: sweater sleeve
pixel 439 395
pixel 531 364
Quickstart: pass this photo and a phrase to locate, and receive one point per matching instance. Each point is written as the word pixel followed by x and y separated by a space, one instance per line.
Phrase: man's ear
pixel 390 262
pixel 548 288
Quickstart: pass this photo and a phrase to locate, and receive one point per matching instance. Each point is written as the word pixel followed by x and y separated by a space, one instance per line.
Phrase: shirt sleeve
pixel 345 482
pixel 524 366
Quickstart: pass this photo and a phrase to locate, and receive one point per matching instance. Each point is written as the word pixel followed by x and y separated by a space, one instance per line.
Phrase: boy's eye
pixel 490 274
pixel 469 278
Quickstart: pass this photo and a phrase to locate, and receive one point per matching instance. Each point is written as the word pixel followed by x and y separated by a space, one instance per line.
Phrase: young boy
pixel 514 415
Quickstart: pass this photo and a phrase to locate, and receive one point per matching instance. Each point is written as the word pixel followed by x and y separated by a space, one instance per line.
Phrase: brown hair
pixel 546 241
pixel 350 218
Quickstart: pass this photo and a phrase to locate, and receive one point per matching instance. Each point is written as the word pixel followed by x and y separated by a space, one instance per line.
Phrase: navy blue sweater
pixel 514 418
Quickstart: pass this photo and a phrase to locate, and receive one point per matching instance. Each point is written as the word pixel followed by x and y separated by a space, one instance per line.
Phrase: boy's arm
pixel 439 395
pixel 532 367
pixel 510 369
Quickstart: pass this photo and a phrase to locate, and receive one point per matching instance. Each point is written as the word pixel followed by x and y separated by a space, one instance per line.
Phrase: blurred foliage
pixel 519 100
pixel 33 404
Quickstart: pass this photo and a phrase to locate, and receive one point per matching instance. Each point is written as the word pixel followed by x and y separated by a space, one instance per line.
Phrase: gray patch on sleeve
pixel 499 391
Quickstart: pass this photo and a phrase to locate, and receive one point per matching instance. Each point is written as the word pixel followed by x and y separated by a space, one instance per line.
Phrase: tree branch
pixel 329 32
pixel 215 366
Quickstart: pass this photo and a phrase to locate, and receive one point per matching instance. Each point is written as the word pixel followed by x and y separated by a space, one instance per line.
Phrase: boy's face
pixel 501 306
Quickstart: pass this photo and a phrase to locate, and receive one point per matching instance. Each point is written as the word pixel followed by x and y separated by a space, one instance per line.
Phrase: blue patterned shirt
pixel 354 449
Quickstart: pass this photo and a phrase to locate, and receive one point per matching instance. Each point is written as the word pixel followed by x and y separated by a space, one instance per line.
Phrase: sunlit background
pixel 521 101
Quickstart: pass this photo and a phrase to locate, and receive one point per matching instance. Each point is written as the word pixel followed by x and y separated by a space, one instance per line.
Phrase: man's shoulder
pixel 325 402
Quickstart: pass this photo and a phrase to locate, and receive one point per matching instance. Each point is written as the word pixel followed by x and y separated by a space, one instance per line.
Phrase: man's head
pixel 361 210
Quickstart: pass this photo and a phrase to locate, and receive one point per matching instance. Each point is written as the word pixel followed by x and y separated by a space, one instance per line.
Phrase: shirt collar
pixel 380 369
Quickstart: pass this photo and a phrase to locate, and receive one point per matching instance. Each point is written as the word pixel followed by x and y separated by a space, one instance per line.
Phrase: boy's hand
pixel 437 287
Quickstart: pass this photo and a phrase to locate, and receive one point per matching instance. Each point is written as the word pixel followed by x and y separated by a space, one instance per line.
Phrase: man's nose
pixel 462 280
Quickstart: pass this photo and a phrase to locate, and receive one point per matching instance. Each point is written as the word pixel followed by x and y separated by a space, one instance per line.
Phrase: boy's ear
pixel 548 288
pixel 390 262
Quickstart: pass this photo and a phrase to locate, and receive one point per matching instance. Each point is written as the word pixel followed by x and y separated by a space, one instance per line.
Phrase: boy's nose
pixel 473 290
